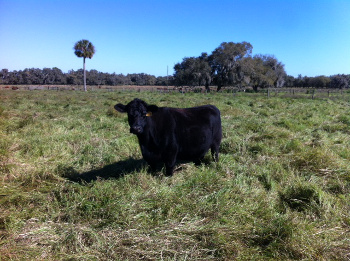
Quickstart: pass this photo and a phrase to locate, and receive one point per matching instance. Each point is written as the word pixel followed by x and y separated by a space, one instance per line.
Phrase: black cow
pixel 170 134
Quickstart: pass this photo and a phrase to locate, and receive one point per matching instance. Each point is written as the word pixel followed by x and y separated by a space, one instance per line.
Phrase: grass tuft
pixel 300 196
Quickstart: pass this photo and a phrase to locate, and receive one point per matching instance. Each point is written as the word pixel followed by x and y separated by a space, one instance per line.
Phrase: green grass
pixel 73 185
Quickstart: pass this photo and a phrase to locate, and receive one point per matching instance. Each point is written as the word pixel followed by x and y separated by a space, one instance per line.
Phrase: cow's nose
pixel 136 129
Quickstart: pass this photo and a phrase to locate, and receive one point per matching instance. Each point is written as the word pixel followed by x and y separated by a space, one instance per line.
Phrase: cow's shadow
pixel 115 170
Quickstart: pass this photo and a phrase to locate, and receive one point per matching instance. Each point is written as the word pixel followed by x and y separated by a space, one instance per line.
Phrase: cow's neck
pixel 147 137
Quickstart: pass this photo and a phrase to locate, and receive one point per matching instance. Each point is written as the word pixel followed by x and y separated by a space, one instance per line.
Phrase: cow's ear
pixel 151 109
pixel 120 107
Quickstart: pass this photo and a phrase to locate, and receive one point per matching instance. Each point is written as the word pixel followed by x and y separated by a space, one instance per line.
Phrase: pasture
pixel 73 185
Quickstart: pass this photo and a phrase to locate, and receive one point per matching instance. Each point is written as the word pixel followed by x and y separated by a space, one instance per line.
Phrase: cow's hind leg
pixel 169 170
pixel 215 152
pixel 170 165
pixel 152 166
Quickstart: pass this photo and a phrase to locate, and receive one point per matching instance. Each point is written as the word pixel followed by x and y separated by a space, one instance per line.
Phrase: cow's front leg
pixel 170 161
pixel 169 170
pixel 152 166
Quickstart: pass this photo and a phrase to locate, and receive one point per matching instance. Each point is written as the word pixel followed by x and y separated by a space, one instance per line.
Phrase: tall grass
pixel 74 185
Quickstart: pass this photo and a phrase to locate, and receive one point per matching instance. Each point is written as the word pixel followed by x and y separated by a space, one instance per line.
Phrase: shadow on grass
pixel 115 170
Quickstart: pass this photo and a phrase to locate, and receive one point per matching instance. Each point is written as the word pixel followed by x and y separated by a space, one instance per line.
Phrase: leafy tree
pixel 48 76
pixel 94 77
pixel 186 72
pixel 15 77
pixel 31 76
pixel 165 80
pixel 319 81
pixel 52 76
pixel 225 62
pixel 141 79
pixel 299 81
pixel 265 71
pixel 340 81
pixel 4 75
pixel 205 71
pixel 257 72
pixel 85 49
pixel 290 81
pixel 193 71
pixel 74 77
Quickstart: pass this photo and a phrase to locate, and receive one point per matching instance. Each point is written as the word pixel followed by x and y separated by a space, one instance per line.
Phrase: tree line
pixel 231 64
pixel 338 81
pixel 54 76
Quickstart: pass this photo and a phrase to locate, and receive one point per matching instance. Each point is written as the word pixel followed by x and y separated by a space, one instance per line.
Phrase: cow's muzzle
pixel 136 129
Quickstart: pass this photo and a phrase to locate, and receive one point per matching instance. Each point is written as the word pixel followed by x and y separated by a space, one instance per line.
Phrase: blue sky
pixel 311 37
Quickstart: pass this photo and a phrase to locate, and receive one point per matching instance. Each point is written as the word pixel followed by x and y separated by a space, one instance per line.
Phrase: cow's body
pixel 170 134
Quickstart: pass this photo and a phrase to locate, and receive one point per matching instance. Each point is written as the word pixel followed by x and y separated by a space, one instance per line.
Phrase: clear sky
pixel 311 37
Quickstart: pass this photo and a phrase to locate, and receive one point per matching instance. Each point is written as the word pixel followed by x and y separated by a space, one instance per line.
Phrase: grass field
pixel 73 185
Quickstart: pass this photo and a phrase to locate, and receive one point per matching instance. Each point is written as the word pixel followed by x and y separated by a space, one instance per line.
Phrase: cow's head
pixel 137 111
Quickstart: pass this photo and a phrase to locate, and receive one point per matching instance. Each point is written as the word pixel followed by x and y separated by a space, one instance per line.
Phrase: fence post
pixel 268 92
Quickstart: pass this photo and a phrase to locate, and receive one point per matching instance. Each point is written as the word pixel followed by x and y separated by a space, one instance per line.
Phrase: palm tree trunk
pixel 84 76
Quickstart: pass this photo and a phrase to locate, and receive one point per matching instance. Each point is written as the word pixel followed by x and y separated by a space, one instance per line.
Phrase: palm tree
pixel 85 49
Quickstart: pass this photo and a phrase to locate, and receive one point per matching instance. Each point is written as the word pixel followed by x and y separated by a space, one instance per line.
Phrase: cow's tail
pixel 217 136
